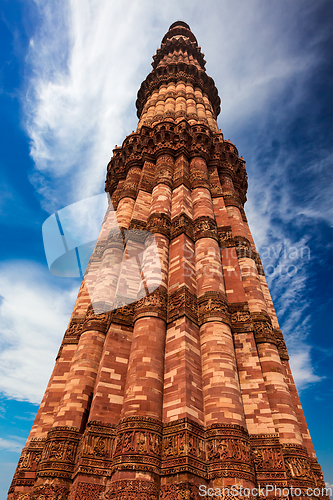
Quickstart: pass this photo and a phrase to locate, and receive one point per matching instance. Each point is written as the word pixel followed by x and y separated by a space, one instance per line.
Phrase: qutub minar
pixel 190 385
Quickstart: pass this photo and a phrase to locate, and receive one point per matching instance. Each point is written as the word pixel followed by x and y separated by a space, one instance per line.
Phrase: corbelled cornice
pixel 176 139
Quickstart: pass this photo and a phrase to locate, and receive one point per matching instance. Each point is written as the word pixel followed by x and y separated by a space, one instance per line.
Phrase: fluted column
pixel 182 375
pixel 143 397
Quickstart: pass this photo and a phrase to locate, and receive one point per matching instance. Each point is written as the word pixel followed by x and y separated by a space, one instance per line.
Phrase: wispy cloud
pixel 302 369
pixel 34 313
pixel 88 59
pixel 16 444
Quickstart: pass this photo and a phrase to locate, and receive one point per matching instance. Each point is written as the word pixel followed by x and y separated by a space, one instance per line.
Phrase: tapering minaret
pixel 186 386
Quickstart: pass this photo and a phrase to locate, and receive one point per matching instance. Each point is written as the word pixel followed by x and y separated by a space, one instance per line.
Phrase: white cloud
pixel 15 444
pixel 303 373
pixel 34 312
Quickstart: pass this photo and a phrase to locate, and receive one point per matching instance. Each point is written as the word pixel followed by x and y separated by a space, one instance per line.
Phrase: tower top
pixel 179 28
pixel 179 59
pixel 179 23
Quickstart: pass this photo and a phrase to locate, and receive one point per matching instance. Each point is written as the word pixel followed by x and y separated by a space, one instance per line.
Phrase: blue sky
pixel 69 74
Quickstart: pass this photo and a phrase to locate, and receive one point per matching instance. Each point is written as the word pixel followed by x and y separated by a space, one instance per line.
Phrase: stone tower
pixel 187 386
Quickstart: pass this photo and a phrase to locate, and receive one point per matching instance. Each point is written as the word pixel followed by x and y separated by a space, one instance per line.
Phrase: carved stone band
pixel 127 489
pixel 198 179
pixel 59 452
pixel 94 455
pixel 243 247
pixel 182 224
pixel 205 227
pixel 95 321
pixel 29 461
pixel 154 304
pixel 159 223
pixel 228 449
pixel 138 444
pixel 240 317
pixel 183 448
pixel 231 201
pixel 137 224
pixel 281 345
pixel 72 334
pixel 225 236
pixel 298 465
pixel 173 139
pixel 182 303
pixel 268 459
pixel 263 329
pixel 130 190
pixel 213 307
pixel 124 315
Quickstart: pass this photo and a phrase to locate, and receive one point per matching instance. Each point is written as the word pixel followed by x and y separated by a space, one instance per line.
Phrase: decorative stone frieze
pixel 183 490
pixel 268 460
pixel 87 491
pixel 138 445
pixel 281 345
pixel 182 224
pixel 229 452
pixel 98 252
pixel 115 240
pixel 205 227
pixel 129 489
pixel 154 304
pixel 137 225
pixel 51 489
pixel 240 317
pixel 59 452
pixel 317 473
pixel 165 137
pixel 213 306
pixel 231 201
pixel 95 450
pixel 124 315
pixel 225 236
pixel 257 260
pixel 28 464
pixel 183 448
pixel 182 302
pixel 159 223
pixel 298 466
pixel 243 247
pixel 72 334
pixel 94 321
pixel 262 328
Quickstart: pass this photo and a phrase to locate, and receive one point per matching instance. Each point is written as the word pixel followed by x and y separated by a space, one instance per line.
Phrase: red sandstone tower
pixel 189 385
